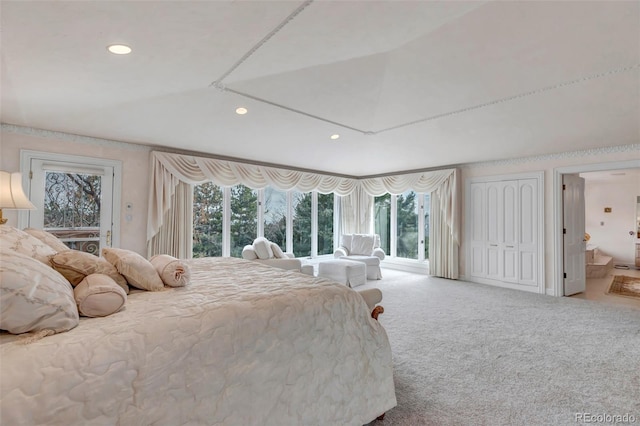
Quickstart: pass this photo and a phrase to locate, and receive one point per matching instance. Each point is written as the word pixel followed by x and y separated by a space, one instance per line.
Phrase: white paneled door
pixel 573 230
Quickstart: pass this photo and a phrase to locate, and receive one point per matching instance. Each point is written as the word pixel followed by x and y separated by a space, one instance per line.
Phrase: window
pixel 402 221
pixel 426 209
pixel 301 203
pixel 407 225
pixel 325 223
pixel 275 216
pixel 244 218
pixel 207 220
pixel 382 218
pixel 227 219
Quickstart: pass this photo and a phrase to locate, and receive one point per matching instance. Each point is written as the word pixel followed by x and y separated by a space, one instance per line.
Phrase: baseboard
pixel 530 289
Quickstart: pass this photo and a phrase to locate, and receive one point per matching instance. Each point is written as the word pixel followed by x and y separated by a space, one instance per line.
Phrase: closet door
pixel 494 230
pixel 477 213
pixel 510 225
pixel 528 232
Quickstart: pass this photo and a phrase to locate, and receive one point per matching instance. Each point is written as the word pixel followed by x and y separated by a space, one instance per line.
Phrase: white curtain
pixel 175 236
pixel 356 196
pixel 356 212
pixel 444 229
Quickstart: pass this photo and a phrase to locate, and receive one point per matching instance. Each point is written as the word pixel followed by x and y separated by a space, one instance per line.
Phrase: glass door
pixel 73 202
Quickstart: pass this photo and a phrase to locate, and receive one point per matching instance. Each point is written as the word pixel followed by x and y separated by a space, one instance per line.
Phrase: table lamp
pixel 12 197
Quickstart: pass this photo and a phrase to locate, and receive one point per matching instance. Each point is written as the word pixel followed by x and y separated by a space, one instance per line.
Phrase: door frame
pixel 25 167
pixel 557 288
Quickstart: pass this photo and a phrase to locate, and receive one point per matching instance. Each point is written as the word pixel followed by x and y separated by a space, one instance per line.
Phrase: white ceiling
pixel 408 85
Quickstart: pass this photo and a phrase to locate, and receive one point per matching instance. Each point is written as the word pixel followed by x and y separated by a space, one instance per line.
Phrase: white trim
pixel 407 265
pixel 557 288
pixel 85 162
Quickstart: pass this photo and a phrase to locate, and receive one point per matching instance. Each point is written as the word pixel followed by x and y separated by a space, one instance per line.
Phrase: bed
pixel 242 344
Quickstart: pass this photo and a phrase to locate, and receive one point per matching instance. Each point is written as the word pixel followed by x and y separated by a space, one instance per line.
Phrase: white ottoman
pixel 346 272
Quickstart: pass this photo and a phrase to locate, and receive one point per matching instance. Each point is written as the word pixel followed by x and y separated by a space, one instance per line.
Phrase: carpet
pixel 468 354
pixel 623 285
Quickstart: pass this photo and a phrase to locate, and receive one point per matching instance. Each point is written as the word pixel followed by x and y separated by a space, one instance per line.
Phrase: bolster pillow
pixel 172 271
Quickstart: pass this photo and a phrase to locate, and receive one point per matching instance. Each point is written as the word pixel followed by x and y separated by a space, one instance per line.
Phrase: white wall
pixel 610 231
pixel 135 172
pixel 546 163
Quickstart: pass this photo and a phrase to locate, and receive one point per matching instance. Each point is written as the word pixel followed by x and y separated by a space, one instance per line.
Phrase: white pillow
pixel 362 244
pixel 98 295
pixel 249 253
pixel 277 251
pixel 346 241
pixel 19 241
pixel 138 271
pixel 262 246
pixel 34 296
pixel 173 271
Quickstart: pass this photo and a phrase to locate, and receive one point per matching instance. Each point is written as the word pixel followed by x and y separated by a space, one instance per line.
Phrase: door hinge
pixel 564 187
pixel 564 230
pixel 30 174
pixel 565 275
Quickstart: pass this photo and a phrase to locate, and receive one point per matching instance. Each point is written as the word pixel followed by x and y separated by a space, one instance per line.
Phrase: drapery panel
pixel 175 236
pixel 444 225
pixel 168 169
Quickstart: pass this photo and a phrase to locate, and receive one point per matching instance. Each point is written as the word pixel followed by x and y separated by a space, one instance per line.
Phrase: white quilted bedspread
pixel 244 344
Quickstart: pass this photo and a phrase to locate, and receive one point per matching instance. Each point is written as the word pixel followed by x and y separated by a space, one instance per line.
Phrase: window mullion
pixel 394 225
pixel 226 222
pixel 314 224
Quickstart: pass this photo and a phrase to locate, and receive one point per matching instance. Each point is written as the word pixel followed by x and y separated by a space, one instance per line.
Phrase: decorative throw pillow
pixel 277 251
pixel 98 295
pixel 20 242
pixel 249 253
pixel 33 296
pixel 138 271
pixel 75 265
pixel 47 238
pixel 262 246
pixel 362 244
pixel 173 271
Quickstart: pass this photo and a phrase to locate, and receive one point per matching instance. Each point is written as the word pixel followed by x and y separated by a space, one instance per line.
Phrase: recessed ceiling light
pixel 119 49
pixel 241 111
pixel 334 136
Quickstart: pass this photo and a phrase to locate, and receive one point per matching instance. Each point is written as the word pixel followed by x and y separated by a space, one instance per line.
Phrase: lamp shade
pixel 11 194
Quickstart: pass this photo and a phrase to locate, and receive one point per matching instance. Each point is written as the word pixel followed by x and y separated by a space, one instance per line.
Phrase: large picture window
pixel 301 203
pixel 207 220
pixel 275 216
pixel 225 220
pixel 244 218
pixel 325 223
pixel 402 221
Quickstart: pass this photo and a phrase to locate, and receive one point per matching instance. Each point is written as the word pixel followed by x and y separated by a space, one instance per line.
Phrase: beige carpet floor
pixel 470 354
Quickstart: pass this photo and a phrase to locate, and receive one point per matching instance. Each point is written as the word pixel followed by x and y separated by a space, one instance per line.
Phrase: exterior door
pixel 73 201
pixel 573 230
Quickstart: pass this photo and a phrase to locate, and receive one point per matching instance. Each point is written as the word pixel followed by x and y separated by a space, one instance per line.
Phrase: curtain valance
pixel 168 169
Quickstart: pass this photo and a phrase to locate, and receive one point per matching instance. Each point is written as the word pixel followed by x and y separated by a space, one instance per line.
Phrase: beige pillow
pixel 75 265
pixel 47 238
pixel 33 296
pixel 20 242
pixel 173 272
pixel 98 295
pixel 138 271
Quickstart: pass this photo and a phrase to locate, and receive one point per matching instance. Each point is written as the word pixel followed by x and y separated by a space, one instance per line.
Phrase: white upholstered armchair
pixel 269 253
pixel 362 248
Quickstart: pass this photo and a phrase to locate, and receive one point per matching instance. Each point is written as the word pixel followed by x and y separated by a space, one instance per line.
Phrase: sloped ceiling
pixel 407 85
